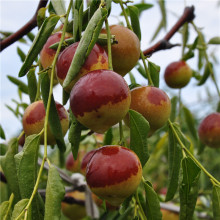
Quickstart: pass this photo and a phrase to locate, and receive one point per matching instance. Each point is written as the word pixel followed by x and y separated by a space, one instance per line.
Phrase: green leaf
pixel 174 159
pixel 141 7
pixel 26 165
pixel 22 86
pixel 9 168
pixel 132 78
pixel 190 122
pixel 41 16
pixel 154 72
pixel 74 135
pixel 2 133
pixel 185 35
pixel 152 203
pixel 141 70
pixel 54 195
pixel 108 138
pixel 46 29
pixel 86 44
pixel 134 15
pixel 188 188
pixel 139 128
pixel 66 97
pixel 163 12
pixel 159 28
pixel 78 19
pixel 206 73
pixel 214 40
pixel 31 36
pixel 174 101
pixel 216 202
pixel 4 211
pixel 59 7
pixel 21 54
pixel 54 120
pixel 32 84
pixel 19 207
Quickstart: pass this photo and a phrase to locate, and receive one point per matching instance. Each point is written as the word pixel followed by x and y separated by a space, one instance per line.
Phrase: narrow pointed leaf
pixel 9 168
pixel 214 40
pixel 154 72
pixel 32 84
pixel 78 18
pixel 45 31
pixel 174 159
pixel 54 120
pixel 108 137
pixel 134 15
pixel 2 133
pixel 59 7
pixel 54 195
pixel 26 165
pixel 152 203
pixel 86 44
pixel 132 78
pixel 21 54
pixel 4 210
pixel 206 73
pixel 188 188
pixel 141 7
pixel 22 86
pixel 139 128
pixel 216 202
pixel 174 101
pixel 19 207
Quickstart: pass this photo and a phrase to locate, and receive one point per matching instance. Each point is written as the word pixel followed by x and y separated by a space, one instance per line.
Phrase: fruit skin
pixel 168 215
pixel 47 55
pixel 97 59
pixel 74 211
pixel 72 164
pixel 153 103
pixel 85 161
pixel 100 99
pixel 114 173
pixel 33 120
pixel 177 74
pixel 209 130
pixel 126 53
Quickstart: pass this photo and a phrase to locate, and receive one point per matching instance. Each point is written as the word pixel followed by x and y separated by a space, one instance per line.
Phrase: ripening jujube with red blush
pixel 85 160
pixel 153 103
pixel 97 59
pixel 114 173
pixel 47 54
pixel 209 130
pixel 177 74
pixel 126 53
pixel 34 117
pixel 100 99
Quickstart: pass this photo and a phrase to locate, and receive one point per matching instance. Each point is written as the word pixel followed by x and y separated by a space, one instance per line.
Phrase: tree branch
pixel 31 24
pixel 188 15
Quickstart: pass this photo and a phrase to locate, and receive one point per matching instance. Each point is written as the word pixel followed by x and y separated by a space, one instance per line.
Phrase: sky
pixel 15 13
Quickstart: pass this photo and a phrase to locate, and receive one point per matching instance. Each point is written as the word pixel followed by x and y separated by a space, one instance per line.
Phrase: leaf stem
pixel 142 214
pixel 109 45
pixel 192 156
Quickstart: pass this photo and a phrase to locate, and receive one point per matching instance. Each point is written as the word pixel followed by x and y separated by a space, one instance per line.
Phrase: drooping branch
pixel 188 15
pixel 31 24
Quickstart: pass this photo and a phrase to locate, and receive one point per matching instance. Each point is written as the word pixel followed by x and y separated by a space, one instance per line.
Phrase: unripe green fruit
pixel 177 74
pixel 97 59
pixel 114 173
pixel 153 103
pixel 126 53
pixel 209 130
pixel 100 99
pixel 47 55
pixel 34 117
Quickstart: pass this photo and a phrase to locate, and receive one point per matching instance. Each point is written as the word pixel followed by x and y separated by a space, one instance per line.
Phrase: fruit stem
pixel 109 45
pixel 21 134
pixel 212 179
pixel 121 135
pixel 125 15
pixel 142 214
pixel 38 90
pixel 206 57
pixel 47 114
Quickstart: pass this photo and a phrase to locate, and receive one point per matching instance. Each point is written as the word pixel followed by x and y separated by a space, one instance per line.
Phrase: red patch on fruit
pixel 156 96
pixel 87 158
pixel 95 89
pixel 65 59
pixel 36 114
pixel 210 122
pixel 174 66
pixel 61 111
pixel 111 165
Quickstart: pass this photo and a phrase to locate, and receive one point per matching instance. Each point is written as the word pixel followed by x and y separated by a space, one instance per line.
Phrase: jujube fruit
pixel 153 103
pixel 177 74
pixel 47 54
pixel 209 130
pixel 34 117
pixel 114 173
pixel 85 160
pixel 126 53
pixel 100 99
pixel 74 211
pixel 97 59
